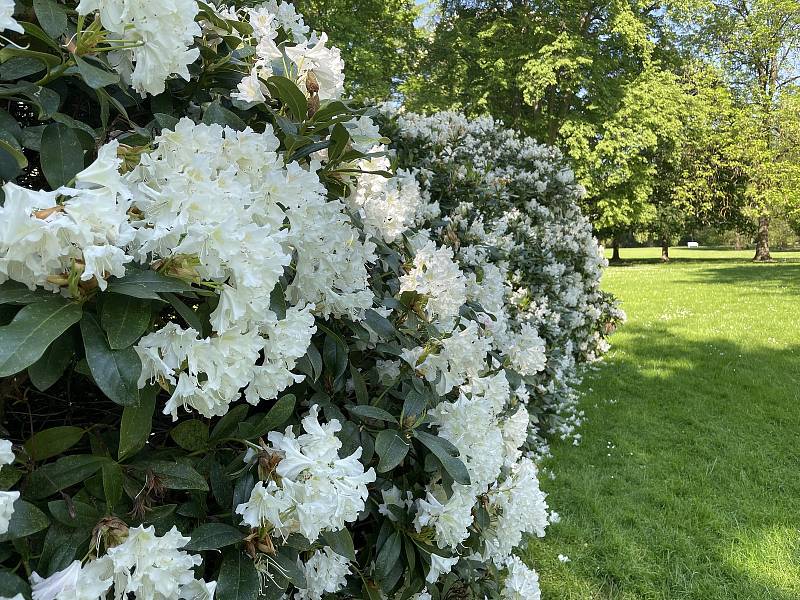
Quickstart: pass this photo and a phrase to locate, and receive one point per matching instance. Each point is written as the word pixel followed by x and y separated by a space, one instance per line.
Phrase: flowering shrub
pixel 242 355
pixel 509 208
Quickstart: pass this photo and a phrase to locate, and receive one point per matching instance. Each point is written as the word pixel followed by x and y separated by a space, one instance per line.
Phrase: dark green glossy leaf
pixel 61 156
pixel 190 435
pixel 51 16
pixel 177 476
pixel 146 285
pixel 116 372
pixel 125 319
pixel 371 412
pixel 55 360
pixel 212 536
pixel 63 473
pixel 94 76
pixel 52 442
pixel 277 416
pixel 238 579
pixel 136 423
pixel 391 449
pixel 33 329
pixel 287 92
pixel 447 455
pixel 26 520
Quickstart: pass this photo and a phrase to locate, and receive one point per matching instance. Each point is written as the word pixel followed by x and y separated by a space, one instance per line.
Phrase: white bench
pixel 692 245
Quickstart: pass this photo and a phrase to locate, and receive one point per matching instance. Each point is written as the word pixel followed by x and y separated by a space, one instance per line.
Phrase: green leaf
pixel 228 424
pixel 33 329
pixel 216 113
pixel 391 449
pixel 95 77
pixel 62 154
pixel 277 416
pixel 287 92
pixel 52 442
pixel 26 520
pixel 55 360
pixel 125 319
pixel 388 555
pixel 11 585
pixel 238 579
pixel 185 311
pixel 116 372
pixel 15 153
pixel 63 473
pixel 60 547
pixel 371 412
pixel 447 455
pixel 13 292
pixel 136 424
pixel 177 476
pixel 113 479
pixel 190 435
pixel 212 536
pixel 51 16
pixel 146 285
pixel 380 324
pixel 74 513
pixel 45 99
pixel 334 355
pixel 359 385
pixel 340 542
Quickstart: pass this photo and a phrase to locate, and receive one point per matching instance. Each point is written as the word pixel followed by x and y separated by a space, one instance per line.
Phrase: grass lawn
pixel 687 481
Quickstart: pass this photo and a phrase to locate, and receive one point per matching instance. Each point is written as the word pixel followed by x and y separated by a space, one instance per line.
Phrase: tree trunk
pixel 762 240
pixel 615 251
pixel 737 244
pixel 664 251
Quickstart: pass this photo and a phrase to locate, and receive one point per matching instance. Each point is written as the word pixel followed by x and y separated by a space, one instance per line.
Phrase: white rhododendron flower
pixel 145 565
pixel 522 582
pixel 527 351
pixel 325 572
pixel 163 32
pixel 326 64
pixel 440 565
pixel 458 357
pixel 7 20
pixel 519 507
pixel 7 499
pixel 451 519
pixel 436 276
pixel 318 490
pixel 251 89
pixel 42 240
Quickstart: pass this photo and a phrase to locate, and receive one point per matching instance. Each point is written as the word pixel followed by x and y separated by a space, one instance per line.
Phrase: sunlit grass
pixel 687 482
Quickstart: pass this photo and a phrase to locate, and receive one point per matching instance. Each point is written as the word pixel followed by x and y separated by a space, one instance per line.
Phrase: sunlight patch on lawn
pixel 769 556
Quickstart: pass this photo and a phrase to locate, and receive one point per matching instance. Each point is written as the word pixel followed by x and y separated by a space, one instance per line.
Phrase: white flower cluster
pixel 282 45
pixel 202 194
pixel 388 206
pixel 314 489
pixel 159 35
pixel 43 241
pixel 7 499
pixel 325 572
pixel 148 566
pixel 515 196
pixel 436 276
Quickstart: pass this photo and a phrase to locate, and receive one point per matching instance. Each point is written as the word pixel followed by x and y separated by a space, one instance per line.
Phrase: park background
pixel 682 120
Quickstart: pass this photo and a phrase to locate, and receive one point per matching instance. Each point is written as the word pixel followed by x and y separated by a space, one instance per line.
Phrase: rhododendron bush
pixel 247 348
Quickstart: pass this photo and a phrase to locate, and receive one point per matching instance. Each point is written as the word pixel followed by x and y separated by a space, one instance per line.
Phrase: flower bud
pixel 111 531
pixel 312 83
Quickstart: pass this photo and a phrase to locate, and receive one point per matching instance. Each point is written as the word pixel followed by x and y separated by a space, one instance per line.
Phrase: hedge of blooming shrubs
pixel 249 350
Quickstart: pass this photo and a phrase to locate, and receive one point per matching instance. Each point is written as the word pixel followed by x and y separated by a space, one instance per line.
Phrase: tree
pixel 757 42
pixel 378 40
pixel 700 179
pixel 592 77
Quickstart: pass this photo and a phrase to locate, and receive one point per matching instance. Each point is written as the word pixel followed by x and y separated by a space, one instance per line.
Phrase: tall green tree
pixel 757 42
pixel 700 179
pixel 592 77
pixel 378 40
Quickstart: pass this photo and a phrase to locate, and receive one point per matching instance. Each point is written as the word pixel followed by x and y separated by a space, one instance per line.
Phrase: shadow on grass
pixel 786 274
pixel 707 451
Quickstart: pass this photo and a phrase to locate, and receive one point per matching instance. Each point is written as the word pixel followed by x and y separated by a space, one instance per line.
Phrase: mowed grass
pixel 686 484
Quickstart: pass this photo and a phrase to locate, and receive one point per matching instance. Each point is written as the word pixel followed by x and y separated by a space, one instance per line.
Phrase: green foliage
pixel 378 40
